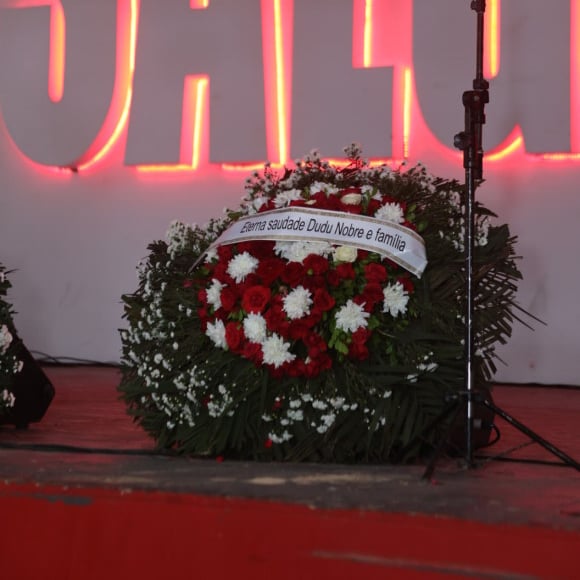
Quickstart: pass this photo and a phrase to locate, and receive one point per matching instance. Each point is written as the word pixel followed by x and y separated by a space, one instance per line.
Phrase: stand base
pixel 478 399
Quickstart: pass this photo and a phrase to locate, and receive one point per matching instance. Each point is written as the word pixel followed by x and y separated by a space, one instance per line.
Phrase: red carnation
pixel 234 336
pixel 256 298
pixel 293 273
pixel 332 278
pixel 375 272
pixel 323 301
pixel 315 264
pixel 346 271
pixel 407 284
pixel 358 349
pixel 298 330
pixel 253 352
pixel 224 253
pixel 372 294
pixel 228 298
pixel 269 269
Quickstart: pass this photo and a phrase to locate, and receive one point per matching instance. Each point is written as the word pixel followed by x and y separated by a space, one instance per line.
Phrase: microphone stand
pixel 470 142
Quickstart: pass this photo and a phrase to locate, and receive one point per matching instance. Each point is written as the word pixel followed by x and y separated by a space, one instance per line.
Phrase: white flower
pixel 395 299
pixel 255 327
pixel 242 265
pixel 351 317
pixel 297 251
pixel 216 332
pixel 210 255
pixel 351 199
pixel 177 237
pixel 5 338
pixel 321 186
pixel 276 352
pixel 297 303
pixel 214 292
pixel 345 253
pixel 391 212
pixel 7 398
pixel 284 198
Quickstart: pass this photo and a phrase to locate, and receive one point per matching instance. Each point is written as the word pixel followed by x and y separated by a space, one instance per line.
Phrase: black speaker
pixel 32 390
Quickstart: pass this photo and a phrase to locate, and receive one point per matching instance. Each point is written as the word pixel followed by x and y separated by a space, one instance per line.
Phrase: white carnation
pixel 391 212
pixel 214 293
pixel 216 332
pixel 297 303
pixel 284 198
pixel 325 187
pixel 241 266
pixel 255 327
pixel 395 299
pixel 276 352
pixel 297 251
pixel 351 317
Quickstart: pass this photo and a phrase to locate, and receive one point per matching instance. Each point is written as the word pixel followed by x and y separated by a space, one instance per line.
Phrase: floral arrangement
pixel 10 364
pixel 293 347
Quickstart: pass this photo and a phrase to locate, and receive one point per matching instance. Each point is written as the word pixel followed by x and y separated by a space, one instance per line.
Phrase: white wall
pixel 75 240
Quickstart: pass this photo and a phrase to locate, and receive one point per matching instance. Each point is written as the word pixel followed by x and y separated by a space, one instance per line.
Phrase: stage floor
pixel 86 441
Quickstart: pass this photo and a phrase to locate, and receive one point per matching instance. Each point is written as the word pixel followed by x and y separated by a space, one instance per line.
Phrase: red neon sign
pixel 369 50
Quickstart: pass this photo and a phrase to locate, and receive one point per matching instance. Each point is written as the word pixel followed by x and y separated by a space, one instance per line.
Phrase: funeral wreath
pixel 321 320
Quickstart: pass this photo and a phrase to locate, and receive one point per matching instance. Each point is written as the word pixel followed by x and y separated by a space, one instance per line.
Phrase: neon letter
pixel 222 41
pixel 332 103
pixel 57 133
pixel 532 89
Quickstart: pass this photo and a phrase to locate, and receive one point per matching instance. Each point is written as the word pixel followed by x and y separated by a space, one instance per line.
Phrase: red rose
pixel 187 283
pixel 322 300
pixel 375 272
pixel 315 264
pixel 256 298
pixel 202 296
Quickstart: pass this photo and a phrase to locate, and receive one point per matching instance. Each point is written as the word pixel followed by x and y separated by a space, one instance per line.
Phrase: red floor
pixel 74 514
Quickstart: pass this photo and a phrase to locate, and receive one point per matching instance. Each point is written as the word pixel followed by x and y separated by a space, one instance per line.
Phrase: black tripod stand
pixel 470 142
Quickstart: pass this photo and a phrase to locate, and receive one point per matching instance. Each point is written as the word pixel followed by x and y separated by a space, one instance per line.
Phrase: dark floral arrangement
pixel 290 347
pixel 10 364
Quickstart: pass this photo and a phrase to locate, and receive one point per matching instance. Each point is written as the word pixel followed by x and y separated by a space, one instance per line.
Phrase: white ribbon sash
pixel 398 243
